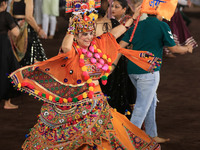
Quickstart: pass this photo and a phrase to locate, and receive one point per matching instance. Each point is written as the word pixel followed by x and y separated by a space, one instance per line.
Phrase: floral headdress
pixel 83 14
pixel 81 5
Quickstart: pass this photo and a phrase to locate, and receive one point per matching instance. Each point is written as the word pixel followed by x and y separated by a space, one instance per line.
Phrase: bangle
pixel 134 20
pixel 126 27
pixel 114 65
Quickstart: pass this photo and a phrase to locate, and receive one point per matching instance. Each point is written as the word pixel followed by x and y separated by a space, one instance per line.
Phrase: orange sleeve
pixel 68 55
pixel 108 45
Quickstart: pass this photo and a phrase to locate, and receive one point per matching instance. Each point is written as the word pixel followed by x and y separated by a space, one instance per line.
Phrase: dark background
pixel 178 112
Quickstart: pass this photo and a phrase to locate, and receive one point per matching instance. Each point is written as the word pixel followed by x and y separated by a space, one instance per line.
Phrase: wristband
pixel 126 27
pixel 134 20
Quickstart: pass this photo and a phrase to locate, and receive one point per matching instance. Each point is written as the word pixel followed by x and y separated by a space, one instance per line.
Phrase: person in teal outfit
pixel 151 35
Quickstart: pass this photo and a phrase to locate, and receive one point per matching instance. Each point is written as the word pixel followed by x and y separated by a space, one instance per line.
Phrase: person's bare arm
pixel 31 20
pixel 181 49
pixel 15 31
pixel 69 38
pixel 114 64
pixel 67 43
pixel 120 29
pixel 123 44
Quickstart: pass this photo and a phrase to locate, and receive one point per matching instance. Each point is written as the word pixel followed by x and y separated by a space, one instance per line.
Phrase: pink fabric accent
pixel 93 60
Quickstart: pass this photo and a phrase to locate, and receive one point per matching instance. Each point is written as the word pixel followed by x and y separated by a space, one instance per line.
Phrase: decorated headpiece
pixel 83 14
pixel 81 5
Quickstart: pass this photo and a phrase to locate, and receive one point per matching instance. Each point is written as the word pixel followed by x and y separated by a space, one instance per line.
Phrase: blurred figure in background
pixel 180 32
pixel 121 11
pixel 103 23
pixel 119 84
pixel 38 12
pixel 8 6
pixel 27 46
pixel 50 12
pixel 8 61
pixel 180 6
pixel 196 2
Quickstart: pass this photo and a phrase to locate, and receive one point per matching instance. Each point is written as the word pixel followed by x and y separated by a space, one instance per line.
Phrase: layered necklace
pixel 95 56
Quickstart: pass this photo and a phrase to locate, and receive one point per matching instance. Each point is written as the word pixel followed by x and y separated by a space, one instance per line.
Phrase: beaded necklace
pixel 101 60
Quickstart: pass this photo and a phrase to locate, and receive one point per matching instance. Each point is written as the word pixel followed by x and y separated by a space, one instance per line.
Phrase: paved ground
pixel 178 113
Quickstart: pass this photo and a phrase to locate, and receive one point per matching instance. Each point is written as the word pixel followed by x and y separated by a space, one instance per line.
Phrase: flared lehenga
pixel 105 129
pixel 180 31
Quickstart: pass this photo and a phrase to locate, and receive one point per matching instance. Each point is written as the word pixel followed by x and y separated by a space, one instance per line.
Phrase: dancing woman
pixel 75 113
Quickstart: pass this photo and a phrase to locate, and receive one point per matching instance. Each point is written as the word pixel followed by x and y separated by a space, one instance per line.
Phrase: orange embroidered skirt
pixel 89 126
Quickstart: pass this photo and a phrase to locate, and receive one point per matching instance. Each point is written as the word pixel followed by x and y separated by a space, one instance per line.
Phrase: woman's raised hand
pixel 74 18
pixel 137 12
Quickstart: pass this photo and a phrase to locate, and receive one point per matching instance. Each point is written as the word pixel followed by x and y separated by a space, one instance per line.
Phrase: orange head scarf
pixel 164 8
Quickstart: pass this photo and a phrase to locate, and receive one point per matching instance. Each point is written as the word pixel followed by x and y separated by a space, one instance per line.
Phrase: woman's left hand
pixel 137 12
pixel 189 48
pixel 42 34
